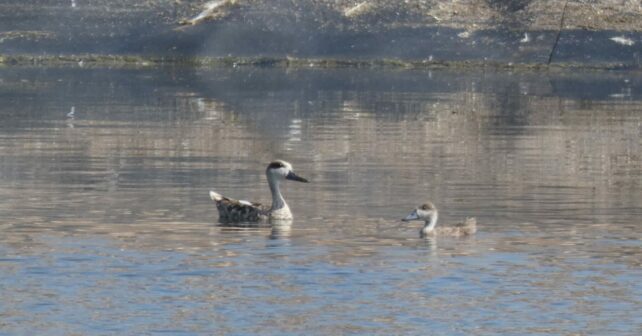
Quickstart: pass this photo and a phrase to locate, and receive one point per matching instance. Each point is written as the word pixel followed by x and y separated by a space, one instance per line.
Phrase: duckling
pixel 231 210
pixel 428 213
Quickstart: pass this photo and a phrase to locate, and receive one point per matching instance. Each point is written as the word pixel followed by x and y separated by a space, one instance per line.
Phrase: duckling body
pixel 466 228
pixel 429 214
pixel 231 210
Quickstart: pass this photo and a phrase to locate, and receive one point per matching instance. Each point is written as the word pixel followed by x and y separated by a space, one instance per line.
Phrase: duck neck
pixel 277 199
pixel 431 223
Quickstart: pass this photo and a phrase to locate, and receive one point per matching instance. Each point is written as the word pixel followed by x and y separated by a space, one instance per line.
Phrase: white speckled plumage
pixel 231 210
pixel 429 214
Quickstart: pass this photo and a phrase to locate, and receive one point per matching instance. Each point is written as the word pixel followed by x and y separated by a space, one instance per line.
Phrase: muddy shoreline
pixel 604 34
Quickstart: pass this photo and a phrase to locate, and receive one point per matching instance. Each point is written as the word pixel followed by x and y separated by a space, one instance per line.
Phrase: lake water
pixel 107 227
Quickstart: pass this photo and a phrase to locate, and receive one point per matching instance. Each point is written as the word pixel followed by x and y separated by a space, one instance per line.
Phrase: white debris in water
pixel 525 39
pixel 357 10
pixel 211 11
pixel 73 3
pixel 464 34
pixel 623 40
pixel 209 8
pixel 625 93
pixel 71 116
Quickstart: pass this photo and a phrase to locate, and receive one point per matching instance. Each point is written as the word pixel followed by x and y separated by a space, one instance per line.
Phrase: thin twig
pixel 559 33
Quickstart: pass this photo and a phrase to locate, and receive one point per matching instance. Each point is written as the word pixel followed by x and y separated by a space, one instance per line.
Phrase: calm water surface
pixel 107 227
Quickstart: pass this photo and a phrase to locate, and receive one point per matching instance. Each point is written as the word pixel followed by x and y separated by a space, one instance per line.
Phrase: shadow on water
pixel 104 179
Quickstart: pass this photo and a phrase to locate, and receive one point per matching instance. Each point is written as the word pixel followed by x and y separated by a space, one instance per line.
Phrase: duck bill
pixel 412 216
pixel 294 177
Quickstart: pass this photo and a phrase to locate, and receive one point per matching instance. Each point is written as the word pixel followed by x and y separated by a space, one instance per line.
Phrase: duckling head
pixel 423 212
pixel 426 212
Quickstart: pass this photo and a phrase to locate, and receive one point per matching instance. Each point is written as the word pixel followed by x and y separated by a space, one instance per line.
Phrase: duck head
pixel 282 170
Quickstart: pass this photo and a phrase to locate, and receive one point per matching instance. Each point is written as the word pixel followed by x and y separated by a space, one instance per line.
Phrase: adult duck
pixel 231 210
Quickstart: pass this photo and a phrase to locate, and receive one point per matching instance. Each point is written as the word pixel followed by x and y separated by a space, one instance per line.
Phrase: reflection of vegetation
pixel 33 35
pixel 527 135
pixel 132 61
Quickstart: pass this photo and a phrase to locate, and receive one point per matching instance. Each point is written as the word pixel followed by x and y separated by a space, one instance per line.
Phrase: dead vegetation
pixel 625 15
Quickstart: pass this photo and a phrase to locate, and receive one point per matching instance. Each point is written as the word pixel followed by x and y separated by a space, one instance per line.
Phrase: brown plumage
pixel 466 228
pixel 231 210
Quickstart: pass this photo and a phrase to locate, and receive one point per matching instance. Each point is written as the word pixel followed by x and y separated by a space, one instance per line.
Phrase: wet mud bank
pixel 526 34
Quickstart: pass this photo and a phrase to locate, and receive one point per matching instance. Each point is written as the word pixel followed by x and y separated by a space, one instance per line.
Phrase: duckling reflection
pixel 232 211
pixel 429 214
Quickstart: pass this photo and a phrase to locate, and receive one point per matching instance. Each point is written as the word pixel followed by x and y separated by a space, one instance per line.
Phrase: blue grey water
pixel 106 226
